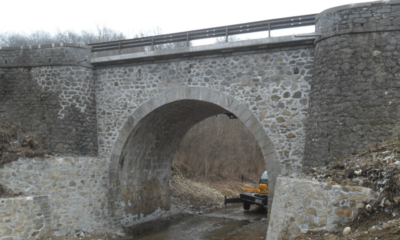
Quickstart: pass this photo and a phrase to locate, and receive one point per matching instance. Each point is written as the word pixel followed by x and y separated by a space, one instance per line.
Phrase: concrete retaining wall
pixel 301 205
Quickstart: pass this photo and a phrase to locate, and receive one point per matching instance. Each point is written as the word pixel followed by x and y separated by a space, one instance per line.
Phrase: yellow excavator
pixel 258 196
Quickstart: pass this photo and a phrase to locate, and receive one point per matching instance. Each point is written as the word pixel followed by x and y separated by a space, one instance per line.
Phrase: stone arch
pixel 141 159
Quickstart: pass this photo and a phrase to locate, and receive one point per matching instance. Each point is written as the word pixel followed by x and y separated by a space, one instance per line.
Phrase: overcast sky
pixel 26 16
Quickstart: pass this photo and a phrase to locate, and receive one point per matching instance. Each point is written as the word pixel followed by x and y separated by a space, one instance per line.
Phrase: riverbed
pixel 230 223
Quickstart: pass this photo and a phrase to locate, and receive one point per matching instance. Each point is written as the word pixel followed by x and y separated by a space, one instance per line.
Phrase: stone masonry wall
pixel 76 190
pixel 56 103
pixel 301 205
pixel 24 217
pixel 354 98
pixel 61 54
pixel 273 85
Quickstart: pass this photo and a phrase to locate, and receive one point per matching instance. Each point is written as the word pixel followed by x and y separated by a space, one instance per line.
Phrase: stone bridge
pixel 121 118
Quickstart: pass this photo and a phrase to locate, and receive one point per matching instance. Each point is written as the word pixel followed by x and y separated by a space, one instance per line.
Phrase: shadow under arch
pixel 140 162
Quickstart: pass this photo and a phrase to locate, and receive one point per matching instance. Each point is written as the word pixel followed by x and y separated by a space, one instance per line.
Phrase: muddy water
pixel 220 224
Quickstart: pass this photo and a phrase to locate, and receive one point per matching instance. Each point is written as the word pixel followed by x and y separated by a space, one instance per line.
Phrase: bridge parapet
pixel 212 50
pixel 364 17
pixel 56 54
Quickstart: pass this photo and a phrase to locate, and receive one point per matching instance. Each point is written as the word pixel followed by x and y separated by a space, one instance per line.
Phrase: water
pixel 215 225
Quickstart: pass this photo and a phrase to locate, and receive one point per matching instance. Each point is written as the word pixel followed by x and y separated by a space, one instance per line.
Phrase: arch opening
pixel 140 167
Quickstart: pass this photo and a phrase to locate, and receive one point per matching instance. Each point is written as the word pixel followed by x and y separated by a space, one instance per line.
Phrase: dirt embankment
pixel 376 167
pixel 15 142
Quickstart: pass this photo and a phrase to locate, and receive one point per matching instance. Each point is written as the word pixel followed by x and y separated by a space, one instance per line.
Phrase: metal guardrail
pixel 225 31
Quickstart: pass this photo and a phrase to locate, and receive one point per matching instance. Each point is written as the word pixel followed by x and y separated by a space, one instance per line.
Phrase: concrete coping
pixel 281 41
pixel 356 5
pixel 53 45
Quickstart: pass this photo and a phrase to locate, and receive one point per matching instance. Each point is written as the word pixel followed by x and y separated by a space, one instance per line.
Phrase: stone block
pixel 357 197
pixel 310 211
pixel 373 195
pixel 306 202
pixel 341 197
pixel 322 222
pixel 345 212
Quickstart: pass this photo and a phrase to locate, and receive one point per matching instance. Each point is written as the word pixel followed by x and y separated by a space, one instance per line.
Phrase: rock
pixel 81 234
pixel 368 207
pixel 291 135
pixel 33 144
pixel 346 230
pixel 382 204
pixel 331 237
pixel 376 53
pixel 120 234
pixel 344 212
pixel 375 229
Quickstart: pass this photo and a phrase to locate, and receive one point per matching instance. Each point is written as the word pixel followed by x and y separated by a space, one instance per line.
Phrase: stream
pixel 231 223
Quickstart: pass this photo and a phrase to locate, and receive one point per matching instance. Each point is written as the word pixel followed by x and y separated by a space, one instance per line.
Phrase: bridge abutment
pixel 354 98
pixel 49 90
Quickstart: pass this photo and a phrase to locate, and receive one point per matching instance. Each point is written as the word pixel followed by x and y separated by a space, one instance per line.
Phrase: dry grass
pixel 220 148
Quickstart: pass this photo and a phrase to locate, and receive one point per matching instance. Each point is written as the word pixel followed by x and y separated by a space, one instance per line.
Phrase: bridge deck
pixel 275 43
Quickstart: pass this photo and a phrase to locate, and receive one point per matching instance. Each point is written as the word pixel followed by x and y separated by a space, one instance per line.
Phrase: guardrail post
pixel 187 39
pixel 226 35
pixel 269 29
pixel 119 47
pixel 152 43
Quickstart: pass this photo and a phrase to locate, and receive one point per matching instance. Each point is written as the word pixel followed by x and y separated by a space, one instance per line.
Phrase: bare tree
pixel 231 38
pixel 14 39
pixel 102 34
pixel 39 38
pixel 158 31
